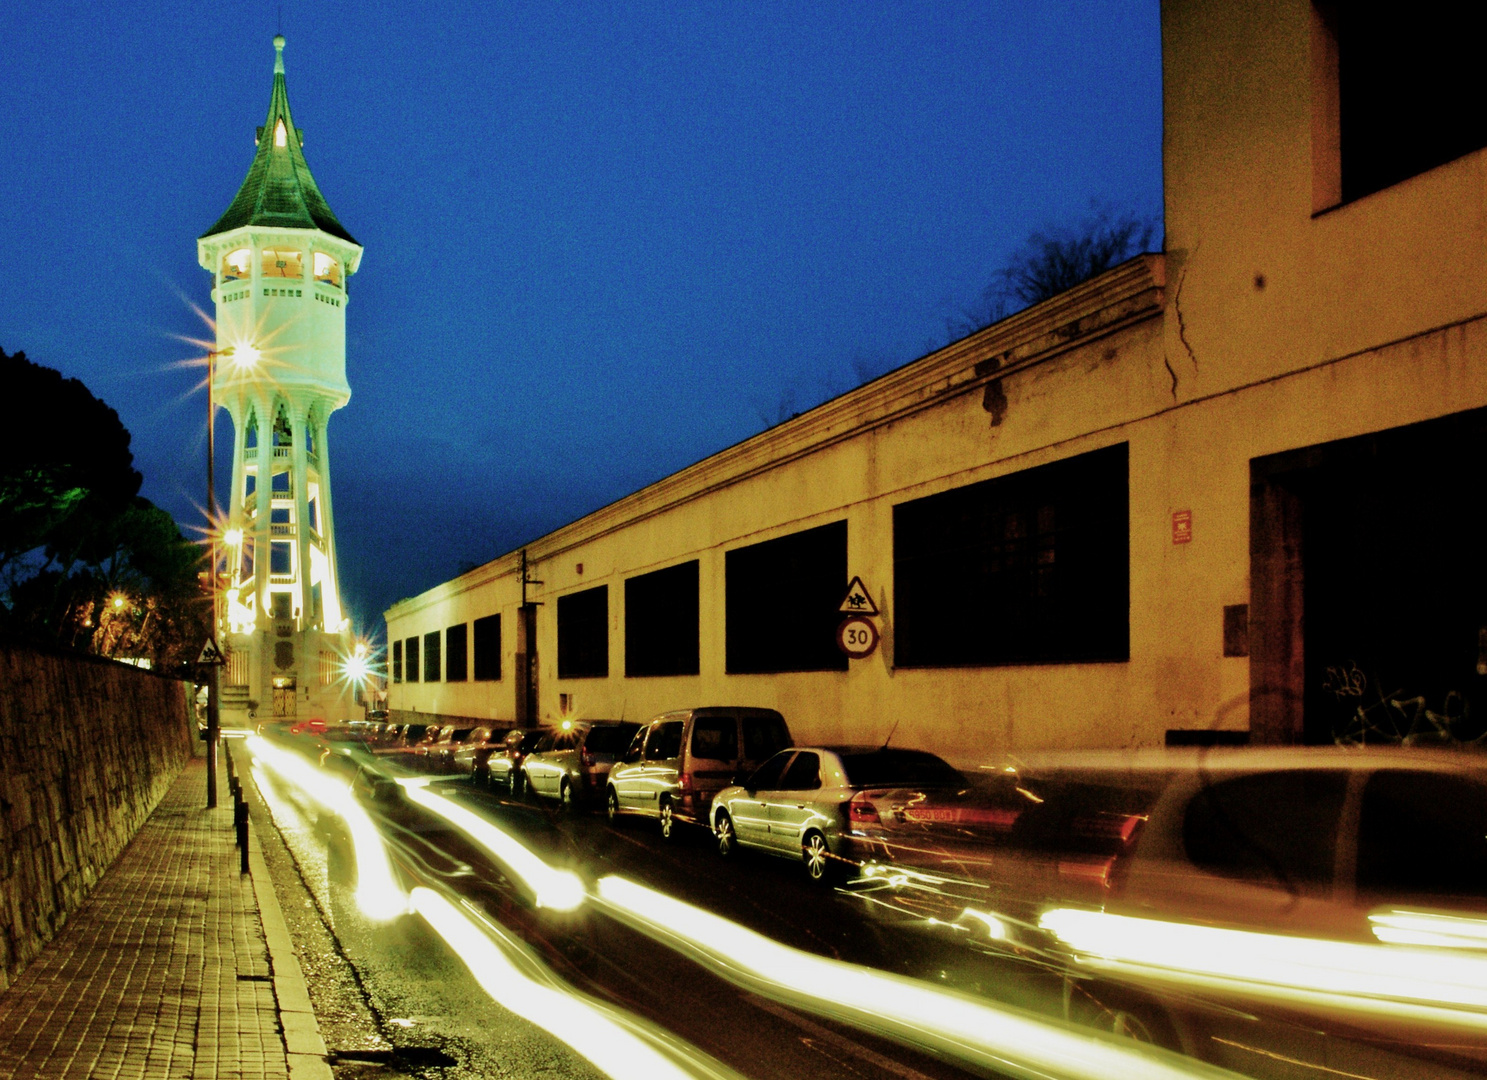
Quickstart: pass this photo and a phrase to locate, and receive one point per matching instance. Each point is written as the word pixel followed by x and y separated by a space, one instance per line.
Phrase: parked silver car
pixel 503 766
pixel 800 802
pixel 572 762
pixel 680 760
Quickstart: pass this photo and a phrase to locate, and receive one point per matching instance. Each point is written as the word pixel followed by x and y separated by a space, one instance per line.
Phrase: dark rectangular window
pixel 456 653
pixel 410 660
pixel 431 656
pixel 281 558
pixel 1030 568
pixel 1408 87
pixel 782 600
pixel 661 618
pixel 583 634
pixel 488 648
pixel 397 661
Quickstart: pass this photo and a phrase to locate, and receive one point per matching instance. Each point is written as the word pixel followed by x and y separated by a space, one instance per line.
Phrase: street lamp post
pixel 214 671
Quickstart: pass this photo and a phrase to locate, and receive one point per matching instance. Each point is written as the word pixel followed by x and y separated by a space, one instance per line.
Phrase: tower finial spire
pixel 278 54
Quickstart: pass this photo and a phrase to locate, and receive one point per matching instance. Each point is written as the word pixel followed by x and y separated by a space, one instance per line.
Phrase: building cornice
pixel 1126 294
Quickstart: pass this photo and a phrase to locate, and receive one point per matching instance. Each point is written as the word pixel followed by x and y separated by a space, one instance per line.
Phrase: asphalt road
pixel 395 1000
pixel 401 1003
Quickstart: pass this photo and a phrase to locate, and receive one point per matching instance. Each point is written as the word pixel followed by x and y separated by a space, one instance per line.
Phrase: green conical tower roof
pixel 279 190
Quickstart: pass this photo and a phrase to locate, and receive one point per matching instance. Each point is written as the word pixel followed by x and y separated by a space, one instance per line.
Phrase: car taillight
pixel 585 758
pixel 862 812
pixel 684 782
pixel 1091 871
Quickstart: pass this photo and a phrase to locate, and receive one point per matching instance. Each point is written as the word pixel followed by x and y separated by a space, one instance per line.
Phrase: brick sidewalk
pixel 165 971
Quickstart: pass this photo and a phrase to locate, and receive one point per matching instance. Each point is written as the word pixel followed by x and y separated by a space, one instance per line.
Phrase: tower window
pixel 281 136
pixel 283 263
pixel 237 264
pixel 281 562
pixel 327 268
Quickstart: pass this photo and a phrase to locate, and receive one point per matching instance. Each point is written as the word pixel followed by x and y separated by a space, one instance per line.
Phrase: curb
pixel 303 1047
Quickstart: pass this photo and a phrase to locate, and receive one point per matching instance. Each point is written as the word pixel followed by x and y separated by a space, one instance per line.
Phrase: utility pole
pixel 214 674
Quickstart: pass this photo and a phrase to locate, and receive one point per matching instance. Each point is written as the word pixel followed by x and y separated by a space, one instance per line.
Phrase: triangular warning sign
pixel 210 654
pixel 858 601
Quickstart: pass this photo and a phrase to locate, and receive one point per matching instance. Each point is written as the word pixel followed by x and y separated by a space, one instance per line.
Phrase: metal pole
pixel 214 718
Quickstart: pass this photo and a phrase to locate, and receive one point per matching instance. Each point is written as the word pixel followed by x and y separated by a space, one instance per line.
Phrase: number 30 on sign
pixel 857 637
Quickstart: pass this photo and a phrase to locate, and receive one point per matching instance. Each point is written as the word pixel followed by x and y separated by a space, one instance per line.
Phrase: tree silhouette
pixel 1056 258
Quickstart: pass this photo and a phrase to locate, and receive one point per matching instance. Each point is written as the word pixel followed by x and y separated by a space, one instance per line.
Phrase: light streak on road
pixel 1424 985
pixel 1429 929
pixel 594 1032
pixel 377 892
pixel 559 890
pixel 1002 1039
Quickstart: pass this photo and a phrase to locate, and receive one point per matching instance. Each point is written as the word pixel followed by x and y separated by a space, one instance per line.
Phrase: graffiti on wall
pixel 1398 718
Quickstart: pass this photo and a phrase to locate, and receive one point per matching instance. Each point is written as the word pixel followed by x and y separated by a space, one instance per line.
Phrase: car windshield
pixel 900 768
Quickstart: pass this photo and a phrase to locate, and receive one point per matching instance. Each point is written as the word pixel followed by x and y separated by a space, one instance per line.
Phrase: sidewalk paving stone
pixel 165 971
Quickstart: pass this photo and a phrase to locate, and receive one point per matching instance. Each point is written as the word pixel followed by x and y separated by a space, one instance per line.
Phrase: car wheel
pixel 668 820
pixel 817 857
pixel 727 841
pixel 612 805
pixel 1131 1017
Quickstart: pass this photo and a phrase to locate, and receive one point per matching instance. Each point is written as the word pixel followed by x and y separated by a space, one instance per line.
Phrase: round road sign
pixel 857 637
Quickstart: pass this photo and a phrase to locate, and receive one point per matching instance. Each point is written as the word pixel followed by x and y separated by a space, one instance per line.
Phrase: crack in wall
pixel 1182 326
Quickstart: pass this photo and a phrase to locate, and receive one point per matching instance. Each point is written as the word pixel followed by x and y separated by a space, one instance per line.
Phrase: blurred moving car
pixel 680 760
pixel 439 754
pixel 571 763
pixel 802 802
pixel 470 756
pixel 1324 904
pixel 503 764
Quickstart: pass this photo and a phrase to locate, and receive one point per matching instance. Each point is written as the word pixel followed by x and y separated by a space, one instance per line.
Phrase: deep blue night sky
pixel 602 240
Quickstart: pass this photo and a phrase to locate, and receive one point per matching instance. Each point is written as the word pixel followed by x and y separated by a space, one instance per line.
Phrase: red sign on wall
pixel 1182 526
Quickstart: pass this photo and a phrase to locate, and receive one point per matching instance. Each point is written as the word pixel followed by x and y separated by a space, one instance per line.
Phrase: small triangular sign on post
pixel 858 601
pixel 210 654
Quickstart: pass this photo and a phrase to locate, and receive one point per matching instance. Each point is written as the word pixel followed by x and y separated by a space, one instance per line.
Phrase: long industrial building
pixel 1223 492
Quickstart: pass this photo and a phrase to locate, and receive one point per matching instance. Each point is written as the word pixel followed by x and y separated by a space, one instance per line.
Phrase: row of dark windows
pixel 452 662
pixel 1023 569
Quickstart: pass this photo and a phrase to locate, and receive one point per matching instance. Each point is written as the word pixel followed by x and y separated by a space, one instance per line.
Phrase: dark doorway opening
pixel 1369 588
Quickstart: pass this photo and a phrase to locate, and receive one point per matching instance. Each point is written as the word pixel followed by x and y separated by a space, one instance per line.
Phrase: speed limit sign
pixel 857 637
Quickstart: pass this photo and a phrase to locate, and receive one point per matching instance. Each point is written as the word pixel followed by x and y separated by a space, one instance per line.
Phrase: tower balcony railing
pixel 281 579
pixel 283 451
pixel 281 530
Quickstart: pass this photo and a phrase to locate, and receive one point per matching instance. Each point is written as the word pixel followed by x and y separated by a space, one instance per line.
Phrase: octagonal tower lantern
pixel 280 261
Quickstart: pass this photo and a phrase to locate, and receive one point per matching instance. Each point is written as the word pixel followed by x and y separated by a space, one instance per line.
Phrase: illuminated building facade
pixel 1223 492
pixel 280 261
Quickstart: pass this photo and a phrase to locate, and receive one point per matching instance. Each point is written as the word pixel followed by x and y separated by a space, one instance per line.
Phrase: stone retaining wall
pixel 87 749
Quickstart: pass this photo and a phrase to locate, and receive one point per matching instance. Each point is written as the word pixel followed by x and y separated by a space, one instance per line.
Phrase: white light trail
pixel 559 890
pixel 377 892
pixel 1430 929
pixel 1428 986
pixel 591 1031
pixel 1000 1038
